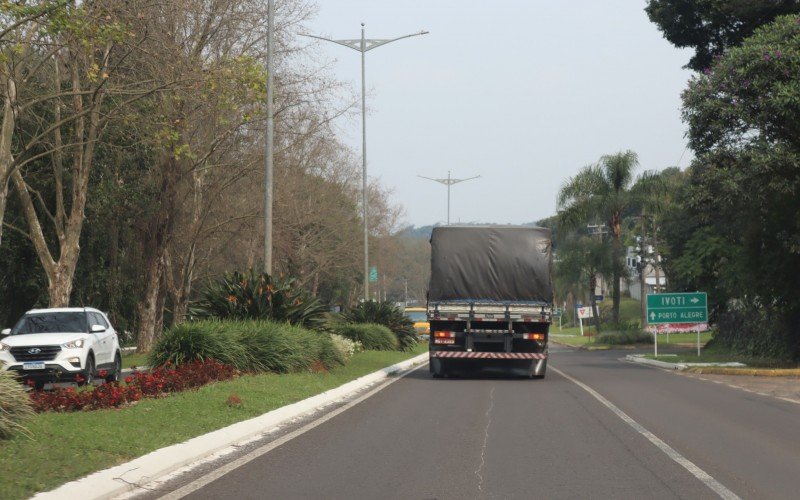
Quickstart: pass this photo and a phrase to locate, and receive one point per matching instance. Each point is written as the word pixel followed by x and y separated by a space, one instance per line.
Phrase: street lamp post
pixel 363 45
pixel 270 132
pixel 448 182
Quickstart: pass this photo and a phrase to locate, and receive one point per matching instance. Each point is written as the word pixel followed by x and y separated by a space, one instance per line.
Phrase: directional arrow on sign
pixel 694 300
pixel 652 316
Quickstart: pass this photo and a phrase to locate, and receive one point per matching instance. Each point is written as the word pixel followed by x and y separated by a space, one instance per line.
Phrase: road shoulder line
pixel 684 462
pixel 120 479
pixel 199 483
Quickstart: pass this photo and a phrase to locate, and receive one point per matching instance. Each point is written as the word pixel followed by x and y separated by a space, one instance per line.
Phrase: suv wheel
pixel 88 373
pixel 114 375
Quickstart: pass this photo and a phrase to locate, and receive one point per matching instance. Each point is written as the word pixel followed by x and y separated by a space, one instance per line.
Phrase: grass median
pixel 572 337
pixel 67 446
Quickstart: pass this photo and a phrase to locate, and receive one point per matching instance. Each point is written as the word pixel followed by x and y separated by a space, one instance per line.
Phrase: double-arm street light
pixel 448 182
pixel 363 45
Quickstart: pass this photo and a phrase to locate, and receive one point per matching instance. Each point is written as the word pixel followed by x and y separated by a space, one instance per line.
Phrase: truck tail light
pixel 533 336
pixel 444 335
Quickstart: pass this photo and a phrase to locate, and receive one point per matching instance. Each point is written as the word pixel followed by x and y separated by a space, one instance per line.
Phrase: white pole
pixel 655 341
pixel 698 341
pixel 580 322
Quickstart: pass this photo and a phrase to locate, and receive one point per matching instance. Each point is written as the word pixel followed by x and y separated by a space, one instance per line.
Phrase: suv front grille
pixel 46 352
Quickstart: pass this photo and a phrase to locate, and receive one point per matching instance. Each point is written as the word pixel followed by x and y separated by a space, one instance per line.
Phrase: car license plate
pixel 444 341
pixel 35 365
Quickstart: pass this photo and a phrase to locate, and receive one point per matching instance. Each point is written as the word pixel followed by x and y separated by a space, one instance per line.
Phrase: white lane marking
pixel 485 440
pixel 231 466
pixel 693 469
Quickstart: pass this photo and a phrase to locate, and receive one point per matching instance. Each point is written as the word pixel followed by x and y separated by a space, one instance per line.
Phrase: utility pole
pixel 268 149
pixel 642 267
pixel 364 45
pixel 448 182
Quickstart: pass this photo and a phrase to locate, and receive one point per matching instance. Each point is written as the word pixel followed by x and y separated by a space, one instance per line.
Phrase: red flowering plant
pixel 160 381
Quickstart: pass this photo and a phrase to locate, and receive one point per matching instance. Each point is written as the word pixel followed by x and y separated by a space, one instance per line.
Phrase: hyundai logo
pixel 34 350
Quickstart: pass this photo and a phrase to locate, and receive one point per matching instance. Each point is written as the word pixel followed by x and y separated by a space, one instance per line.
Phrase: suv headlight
pixel 4 347
pixel 75 344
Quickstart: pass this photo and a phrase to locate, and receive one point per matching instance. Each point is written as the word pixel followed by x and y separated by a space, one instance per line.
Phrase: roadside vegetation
pixel 15 407
pixel 90 441
pixel 727 224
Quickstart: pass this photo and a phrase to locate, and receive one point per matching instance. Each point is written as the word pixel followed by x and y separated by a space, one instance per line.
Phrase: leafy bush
pixel 200 340
pixel 15 406
pixel 759 331
pixel 625 337
pixel 253 346
pixel 160 381
pixel 346 347
pixel 282 348
pixel 388 315
pixel 251 295
pixel 372 336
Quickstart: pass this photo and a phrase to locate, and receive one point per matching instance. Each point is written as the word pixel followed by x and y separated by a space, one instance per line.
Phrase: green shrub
pixel 283 348
pixel 388 315
pixel 372 336
pixel 200 340
pixel 15 405
pixel 627 337
pixel 251 295
pixel 760 331
pixel 253 346
pixel 346 347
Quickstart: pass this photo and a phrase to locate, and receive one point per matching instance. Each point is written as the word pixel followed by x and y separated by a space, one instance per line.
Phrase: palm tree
pixel 604 191
pixel 582 260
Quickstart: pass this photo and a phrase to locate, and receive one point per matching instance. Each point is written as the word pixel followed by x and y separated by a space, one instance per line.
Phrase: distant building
pixel 633 284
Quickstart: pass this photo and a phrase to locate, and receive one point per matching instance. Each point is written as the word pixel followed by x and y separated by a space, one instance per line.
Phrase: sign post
pixel 584 313
pixel 666 308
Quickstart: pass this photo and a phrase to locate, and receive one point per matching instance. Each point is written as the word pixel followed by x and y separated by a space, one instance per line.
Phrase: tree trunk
pixel 148 314
pixel 3 201
pixel 616 234
pixel 6 136
pixel 156 245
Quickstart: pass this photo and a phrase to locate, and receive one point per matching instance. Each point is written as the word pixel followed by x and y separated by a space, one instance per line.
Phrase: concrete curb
pixel 638 358
pixel 652 362
pixel 123 478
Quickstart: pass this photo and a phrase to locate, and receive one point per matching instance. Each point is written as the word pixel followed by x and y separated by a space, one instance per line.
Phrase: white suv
pixel 61 345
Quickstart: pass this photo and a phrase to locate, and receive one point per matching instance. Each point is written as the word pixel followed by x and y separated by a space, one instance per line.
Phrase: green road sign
pixel 677 308
pixel 373 274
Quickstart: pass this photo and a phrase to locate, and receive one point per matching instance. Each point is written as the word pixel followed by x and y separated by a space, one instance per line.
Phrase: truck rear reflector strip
pixel 488 355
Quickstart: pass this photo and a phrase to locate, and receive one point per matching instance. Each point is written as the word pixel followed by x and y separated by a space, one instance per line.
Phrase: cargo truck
pixel 490 299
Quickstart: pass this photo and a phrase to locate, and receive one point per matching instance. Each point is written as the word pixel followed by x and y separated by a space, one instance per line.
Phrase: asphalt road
pixel 495 438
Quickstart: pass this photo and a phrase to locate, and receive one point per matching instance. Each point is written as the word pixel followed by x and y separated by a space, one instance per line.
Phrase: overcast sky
pixel 523 93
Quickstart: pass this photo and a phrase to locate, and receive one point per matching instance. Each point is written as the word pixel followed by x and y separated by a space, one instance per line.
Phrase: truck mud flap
pixel 487 355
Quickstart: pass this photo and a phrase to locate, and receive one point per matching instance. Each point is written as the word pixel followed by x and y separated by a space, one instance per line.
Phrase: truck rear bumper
pixel 487 355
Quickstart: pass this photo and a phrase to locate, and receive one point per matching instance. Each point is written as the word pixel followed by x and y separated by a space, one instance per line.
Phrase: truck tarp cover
pixel 507 263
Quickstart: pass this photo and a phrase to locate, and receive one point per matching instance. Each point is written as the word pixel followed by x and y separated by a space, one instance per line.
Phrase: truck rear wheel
pixel 437 367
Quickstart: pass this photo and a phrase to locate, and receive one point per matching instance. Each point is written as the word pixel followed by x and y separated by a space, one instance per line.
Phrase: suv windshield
pixel 56 322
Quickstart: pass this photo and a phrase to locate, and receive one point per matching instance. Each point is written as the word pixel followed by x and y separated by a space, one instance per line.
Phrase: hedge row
pixel 249 346
pixel 373 337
